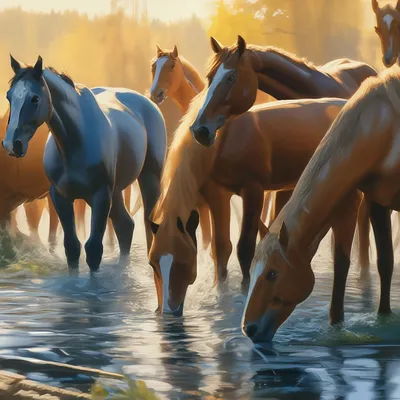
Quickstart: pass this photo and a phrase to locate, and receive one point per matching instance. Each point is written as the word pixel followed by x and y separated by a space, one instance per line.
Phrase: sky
pixel 166 10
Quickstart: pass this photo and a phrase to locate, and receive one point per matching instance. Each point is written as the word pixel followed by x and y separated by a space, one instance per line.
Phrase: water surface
pixel 107 321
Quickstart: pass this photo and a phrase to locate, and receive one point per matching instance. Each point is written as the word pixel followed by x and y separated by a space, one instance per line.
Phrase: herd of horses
pixel 325 154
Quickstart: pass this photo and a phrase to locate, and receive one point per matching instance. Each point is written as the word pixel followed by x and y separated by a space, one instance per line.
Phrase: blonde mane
pixel 187 167
pixel 191 74
pixel 340 138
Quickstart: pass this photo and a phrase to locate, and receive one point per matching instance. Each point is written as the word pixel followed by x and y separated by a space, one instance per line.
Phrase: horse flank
pixel 187 167
pixel 347 128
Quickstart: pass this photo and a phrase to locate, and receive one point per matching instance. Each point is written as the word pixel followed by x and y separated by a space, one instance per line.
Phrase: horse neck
pixel 190 86
pixel 64 121
pixel 284 77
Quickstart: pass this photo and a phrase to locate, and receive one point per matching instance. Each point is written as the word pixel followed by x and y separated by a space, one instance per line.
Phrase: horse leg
pixel 262 228
pixel 80 208
pixel 252 196
pixel 218 200
pixel 204 215
pixel 382 227
pixel 53 224
pixel 149 183
pixel 123 225
pixel 363 233
pixel 101 204
pixel 65 211
pixel 343 227
pixel 33 213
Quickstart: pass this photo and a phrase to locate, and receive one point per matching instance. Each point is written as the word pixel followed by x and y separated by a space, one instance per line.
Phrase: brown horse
pixel 235 74
pixel 360 151
pixel 174 77
pixel 250 156
pixel 387 28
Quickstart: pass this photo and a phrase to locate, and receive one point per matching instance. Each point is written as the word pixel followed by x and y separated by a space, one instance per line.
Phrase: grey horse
pixel 102 140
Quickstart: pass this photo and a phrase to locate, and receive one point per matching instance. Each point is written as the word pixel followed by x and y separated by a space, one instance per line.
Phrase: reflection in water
pixel 107 321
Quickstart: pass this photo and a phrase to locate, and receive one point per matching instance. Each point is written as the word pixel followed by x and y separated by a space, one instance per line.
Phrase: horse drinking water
pixel 103 139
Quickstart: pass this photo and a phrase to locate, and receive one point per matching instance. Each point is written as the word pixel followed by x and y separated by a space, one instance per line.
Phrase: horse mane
pixel 187 166
pixel 219 58
pixel 29 69
pixel 340 137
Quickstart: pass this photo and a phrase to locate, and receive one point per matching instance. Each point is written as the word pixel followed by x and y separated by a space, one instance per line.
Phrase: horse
pixel 387 29
pixel 249 157
pixel 235 74
pixel 102 140
pixel 360 151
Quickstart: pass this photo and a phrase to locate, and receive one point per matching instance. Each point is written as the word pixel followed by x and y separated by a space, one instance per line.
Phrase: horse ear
pixel 154 227
pixel 174 53
pixel 38 68
pixel 241 44
pixel 398 5
pixel 375 5
pixel 283 237
pixel 159 50
pixel 215 45
pixel 179 224
pixel 192 224
pixel 15 64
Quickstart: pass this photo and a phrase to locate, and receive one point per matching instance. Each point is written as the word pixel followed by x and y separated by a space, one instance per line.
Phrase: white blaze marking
pixel 165 266
pixel 17 102
pixel 159 65
pixel 220 74
pixel 388 20
pixel 255 274
pixel 323 174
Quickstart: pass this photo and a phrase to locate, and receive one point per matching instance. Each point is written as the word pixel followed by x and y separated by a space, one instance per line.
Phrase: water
pixel 108 322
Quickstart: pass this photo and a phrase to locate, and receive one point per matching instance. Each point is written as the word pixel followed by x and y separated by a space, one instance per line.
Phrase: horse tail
pixel 363 233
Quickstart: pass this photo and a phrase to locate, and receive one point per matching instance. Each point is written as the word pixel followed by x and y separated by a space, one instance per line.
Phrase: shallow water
pixel 108 322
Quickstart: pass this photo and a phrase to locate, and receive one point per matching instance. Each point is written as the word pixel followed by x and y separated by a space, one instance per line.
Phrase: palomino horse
pixel 249 157
pixel 360 151
pixel 101 141
pixel 387 28
pixel 235 74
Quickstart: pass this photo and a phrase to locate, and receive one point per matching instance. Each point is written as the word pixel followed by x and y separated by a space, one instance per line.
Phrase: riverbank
pixel 17 387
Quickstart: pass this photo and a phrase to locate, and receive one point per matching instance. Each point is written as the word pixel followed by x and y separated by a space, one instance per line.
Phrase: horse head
pixel 232 90
pixel 173 257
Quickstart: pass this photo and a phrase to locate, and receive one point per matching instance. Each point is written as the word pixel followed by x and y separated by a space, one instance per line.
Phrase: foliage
pixel 137 390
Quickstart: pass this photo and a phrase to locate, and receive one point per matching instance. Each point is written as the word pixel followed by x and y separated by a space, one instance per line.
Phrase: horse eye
pixel 231 78
pixel 271 275
pixel 35 99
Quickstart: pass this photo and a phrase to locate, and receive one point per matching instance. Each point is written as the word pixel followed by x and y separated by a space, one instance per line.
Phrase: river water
pixel 108 322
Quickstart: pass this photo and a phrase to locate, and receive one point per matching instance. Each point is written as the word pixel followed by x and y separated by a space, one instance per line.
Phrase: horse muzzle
pixel 263 330
pixel 159 97
pixel 14 150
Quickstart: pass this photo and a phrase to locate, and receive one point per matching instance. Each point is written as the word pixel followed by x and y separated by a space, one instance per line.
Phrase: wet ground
pixel 108 322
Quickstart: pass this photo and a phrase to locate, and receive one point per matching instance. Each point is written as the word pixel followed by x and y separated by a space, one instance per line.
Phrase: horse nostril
pixel 18 147
pixel 202 136
pixel 251 329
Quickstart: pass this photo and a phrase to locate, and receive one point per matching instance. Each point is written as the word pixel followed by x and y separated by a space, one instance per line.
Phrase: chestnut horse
pixel 249 157
pixel 235 74
pixel 360 151
pixel 387 28
pixel 174 77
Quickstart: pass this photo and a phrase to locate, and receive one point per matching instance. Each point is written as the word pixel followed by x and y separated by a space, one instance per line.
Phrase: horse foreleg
pixel 204 214
pixel 53 224
pixel 65 211
pixel 123 225
pixel 149 183
pixel 100 203
pixel 343 227
pixel 252 196
pixel 382 227
pixel 363 233
pixel 218 200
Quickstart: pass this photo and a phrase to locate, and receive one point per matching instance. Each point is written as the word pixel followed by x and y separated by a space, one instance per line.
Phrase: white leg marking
pixel 255 274
pixel 159 65
pixel 219 75
pixel 165 266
